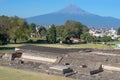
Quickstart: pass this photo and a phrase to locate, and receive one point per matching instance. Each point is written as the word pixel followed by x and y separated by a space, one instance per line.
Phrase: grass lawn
pixel 12 45
pixel 75 45
pixel 90 45
pixel 6 51
pixel 14 74
pixel 9 46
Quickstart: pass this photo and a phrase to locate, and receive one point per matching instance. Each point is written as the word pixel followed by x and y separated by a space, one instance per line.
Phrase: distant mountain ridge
pixel 73 12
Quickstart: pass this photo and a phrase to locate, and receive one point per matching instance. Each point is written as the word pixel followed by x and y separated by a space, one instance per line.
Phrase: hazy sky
pixel 28 8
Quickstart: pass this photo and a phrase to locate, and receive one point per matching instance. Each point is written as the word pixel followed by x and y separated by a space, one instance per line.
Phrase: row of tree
pixel 73 29
pixel 89 38
pixel 62 33
pixel 15 28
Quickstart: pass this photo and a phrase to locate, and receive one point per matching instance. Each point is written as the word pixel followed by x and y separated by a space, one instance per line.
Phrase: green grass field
pixel 74 45
pixel 6 51
pixel 62 45
pixel 11 45
pixel 90 45
pixel 14 74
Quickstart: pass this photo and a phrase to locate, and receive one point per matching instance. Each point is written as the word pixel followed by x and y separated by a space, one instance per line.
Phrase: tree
pixel 71 29
pixel 87 37
pixel 74 27
pixel 42 31
pixel 32 27
pixel 51 36
pixel 118 31
pixel 60 32
pixel 106 39
pixel 19 29
pixel 5 24
pixel 3 38
pixel 32 30
pixel 14 27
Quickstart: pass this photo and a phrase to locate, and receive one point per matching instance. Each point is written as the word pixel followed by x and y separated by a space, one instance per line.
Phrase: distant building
pixel 32 35
pixel 100 32
pixel 75 40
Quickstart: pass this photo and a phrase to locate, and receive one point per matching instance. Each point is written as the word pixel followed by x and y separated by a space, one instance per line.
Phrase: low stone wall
pixel 7 57
pixel 115 51
pixel 111 68
pixel 37 58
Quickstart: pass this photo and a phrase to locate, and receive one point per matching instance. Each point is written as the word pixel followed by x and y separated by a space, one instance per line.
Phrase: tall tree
pixel 32 27
pixel 106 39
pixel 42 31
pixel 72 29
pixel 32 30
pixel 19 30
pixel 87 37
pixel 51 36
pixel 3 38
pixel 15 27
pixel 60 32
pixel 118 31
pixel 4 24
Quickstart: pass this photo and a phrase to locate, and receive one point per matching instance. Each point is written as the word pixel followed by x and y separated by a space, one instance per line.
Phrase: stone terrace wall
pixel 116 51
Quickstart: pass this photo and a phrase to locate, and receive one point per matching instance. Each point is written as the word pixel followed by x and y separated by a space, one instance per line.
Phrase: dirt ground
pixel 83 62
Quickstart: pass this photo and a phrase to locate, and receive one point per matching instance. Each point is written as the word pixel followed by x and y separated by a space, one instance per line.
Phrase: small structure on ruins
pixel 60 69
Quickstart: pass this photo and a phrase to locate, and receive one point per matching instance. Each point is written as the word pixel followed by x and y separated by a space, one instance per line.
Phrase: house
pixel 100 32
pixel 75 40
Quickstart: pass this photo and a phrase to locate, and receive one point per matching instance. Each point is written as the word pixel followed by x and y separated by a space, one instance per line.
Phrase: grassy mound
pixel 14 74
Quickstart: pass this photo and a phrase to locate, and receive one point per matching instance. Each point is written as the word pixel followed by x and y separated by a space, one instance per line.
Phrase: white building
pixel 100 32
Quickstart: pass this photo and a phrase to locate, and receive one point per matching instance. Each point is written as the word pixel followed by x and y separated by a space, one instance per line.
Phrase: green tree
pixel 19 30
pixel 71 29
pixel 74 27
pixel 5 24
pixel 87 37
pixel 14 27
pixel 118 31
pixel 42 31
pixel 51 36
pixel 106 39
pixel 3 38
pixel 60 32
pixel 32 30
pixel 32 27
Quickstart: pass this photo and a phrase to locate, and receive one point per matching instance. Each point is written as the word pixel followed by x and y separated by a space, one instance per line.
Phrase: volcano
pixel 72 12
